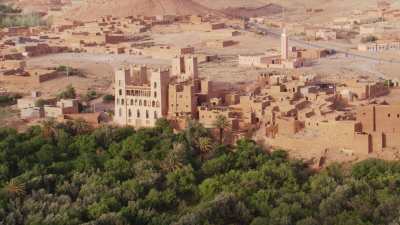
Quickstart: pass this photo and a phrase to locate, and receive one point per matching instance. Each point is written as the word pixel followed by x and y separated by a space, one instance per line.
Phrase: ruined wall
pixel 53 112
pixel 289 126
pixel 366 116
pixel 392 140
pixel 387 119
pixel 382 118
pixel 47 76
pixel 377 90
pixel 362 144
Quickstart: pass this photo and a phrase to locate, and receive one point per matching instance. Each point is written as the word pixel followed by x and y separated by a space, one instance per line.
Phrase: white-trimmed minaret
pixel 284 45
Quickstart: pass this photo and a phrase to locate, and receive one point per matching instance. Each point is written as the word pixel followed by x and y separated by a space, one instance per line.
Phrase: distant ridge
pixel 248 12
pixel 122 8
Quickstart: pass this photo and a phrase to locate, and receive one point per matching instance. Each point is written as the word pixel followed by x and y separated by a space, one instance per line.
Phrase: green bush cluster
pixel 9 99
pixel 369 38
pixel 69 71
pixel 8 9
pixel 68 93
pixel 108 98
pixel 72 174
pixel 23 20
pixel 13 17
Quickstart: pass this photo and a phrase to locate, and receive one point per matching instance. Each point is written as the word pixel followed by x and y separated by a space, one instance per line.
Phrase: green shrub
pixel 108 98
pixel 369 38
pixel 68 93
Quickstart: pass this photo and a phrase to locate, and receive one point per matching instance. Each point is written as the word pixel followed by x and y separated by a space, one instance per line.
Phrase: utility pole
pixel 67 70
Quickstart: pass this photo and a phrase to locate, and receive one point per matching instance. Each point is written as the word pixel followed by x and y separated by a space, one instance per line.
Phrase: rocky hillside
pixel 95 8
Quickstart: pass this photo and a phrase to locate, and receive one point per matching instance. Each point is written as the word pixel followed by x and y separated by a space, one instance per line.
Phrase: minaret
pixel 284 45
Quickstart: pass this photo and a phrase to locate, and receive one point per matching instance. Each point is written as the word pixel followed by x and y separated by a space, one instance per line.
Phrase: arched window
pixel 131 101
pixel 120 112
pixel 147 114
pixel 155 84
pixel 138 114
pixel 122 101
pixel 155 115
pixel 145 103
pixel 153 104
pixel 155 94
pixel 120 91
pixel 129 113
pixel 140 102
pixel 158 104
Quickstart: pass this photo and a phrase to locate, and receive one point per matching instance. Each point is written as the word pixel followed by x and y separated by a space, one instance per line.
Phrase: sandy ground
pixel 98 72
pixel 295 9
pixel 220 4
pixel 99 69
pixel 228 70
pixel 9 117
pixel 248 42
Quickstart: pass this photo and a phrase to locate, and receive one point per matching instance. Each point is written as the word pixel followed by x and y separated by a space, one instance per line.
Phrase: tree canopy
pixel 72 174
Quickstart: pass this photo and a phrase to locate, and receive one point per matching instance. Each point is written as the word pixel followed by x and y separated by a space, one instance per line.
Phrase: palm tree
pixel 13 188
pixel 205 145
pixel 175 158
pixel 81 126
pixel 49 128
pixel 221 123
pixel 193 131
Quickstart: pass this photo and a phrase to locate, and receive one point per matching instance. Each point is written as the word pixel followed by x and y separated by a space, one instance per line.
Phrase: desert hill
pixel 96 8
pixel 90 9
pixel 248 12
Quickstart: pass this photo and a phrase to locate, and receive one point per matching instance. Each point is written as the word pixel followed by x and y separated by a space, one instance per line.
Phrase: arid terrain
pixel 190 112
pixel 235 43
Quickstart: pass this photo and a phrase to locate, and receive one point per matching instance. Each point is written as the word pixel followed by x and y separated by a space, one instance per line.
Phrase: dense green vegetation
pixel 108 98
pixel 69 71
pixel 369 38
pixel 4 9
pixel 68 93
pixel 13 17
pixel 90 95
pixel 9 99
pixel 66 174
